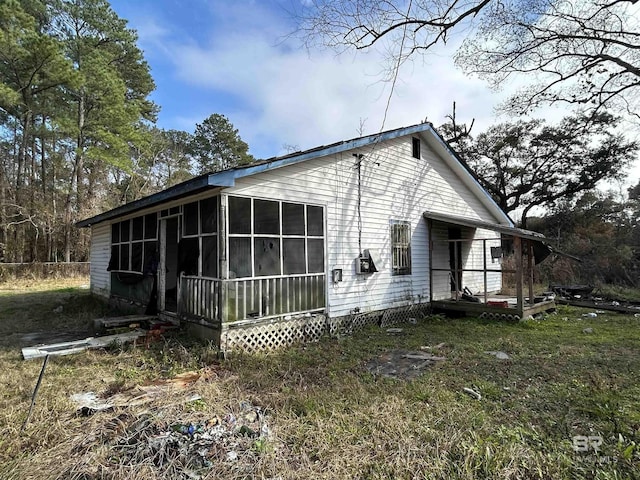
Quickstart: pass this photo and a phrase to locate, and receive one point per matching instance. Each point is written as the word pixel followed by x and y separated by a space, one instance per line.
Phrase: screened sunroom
pixel 222 259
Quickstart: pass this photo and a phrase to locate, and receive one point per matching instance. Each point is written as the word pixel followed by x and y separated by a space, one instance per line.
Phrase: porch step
pixel 109 325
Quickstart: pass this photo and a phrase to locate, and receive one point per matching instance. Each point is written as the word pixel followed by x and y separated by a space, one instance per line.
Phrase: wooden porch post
pixel 484 268
pixel 530 264
pixel 517 248
pixel 430 229
pixel 223 267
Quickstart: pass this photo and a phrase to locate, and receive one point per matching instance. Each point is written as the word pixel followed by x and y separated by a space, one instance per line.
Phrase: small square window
pixel 415 143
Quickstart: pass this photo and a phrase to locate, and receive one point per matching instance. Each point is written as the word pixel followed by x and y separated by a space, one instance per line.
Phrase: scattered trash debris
pixel 402 364
pixel 499 355
pixel 58 309
pixel 394 331
pixel 637 315
pixel 472 393
pixel 88 403
pixel 412 321
pixel 590 315
pixel 422 356
pixel 587 330
pixel 187 444
pixel 436 347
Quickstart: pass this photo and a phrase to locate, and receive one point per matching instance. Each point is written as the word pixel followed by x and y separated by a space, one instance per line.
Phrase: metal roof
pixel 228 177
pixel 542 249
pixel 496 227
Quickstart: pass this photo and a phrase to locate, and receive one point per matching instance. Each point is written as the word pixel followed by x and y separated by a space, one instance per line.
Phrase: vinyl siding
pixel 394 186
pixel 100 279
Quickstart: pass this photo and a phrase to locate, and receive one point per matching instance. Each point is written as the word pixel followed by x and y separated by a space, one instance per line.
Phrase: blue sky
pixel 236 58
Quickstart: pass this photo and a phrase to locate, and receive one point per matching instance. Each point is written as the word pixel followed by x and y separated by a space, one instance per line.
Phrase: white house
pixel 354 230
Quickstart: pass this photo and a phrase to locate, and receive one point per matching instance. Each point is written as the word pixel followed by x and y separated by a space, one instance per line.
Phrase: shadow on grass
pixel 64 313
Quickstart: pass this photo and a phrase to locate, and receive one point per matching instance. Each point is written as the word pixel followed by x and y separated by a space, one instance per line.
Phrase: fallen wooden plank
pixel 423 356
pixel 69 348
pixel 597 305
pixel 111 322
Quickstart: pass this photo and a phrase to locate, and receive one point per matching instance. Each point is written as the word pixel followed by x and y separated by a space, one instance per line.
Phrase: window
pixel 190 219
pixel 272 238
pixel 134 245
pixel 200 228
pixel 401 248
pixel 415 144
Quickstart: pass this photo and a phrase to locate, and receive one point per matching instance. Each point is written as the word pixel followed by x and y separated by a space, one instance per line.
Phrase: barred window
pixel 401 248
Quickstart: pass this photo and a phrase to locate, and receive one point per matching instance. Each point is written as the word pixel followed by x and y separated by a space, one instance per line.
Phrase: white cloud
pixel 292 96
pixel 276 93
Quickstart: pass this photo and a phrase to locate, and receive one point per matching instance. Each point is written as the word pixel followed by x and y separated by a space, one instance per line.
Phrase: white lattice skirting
pixel 391 316
pixel 270 334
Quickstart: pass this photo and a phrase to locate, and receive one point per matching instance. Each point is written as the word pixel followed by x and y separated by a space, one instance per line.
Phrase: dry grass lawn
pixel 323 414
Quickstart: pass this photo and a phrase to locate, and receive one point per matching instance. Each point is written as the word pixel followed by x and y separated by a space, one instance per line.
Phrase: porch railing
pixel 247 298
pixel 199 297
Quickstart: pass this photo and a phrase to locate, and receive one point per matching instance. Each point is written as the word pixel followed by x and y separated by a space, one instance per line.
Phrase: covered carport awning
pixel 541 248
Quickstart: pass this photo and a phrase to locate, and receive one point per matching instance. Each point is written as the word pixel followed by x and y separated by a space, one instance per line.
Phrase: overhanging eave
pixel 184 189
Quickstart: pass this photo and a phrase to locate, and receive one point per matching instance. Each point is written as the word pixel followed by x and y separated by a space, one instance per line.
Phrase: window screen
pixel 124 257
pixel 114 261
pixel 190 216
pixel 150 226
pixel 136 257
pixel 188 255
pixel 292 219
pixel 266 217
pixel 210 256
pixel 316 255
pixel 293 255
pixel 239 215
pixel 239 257
pixel 209 215
pixel 115 233
pixel 124 231
pixel 128 240
pixel 270 238
pixel 137 228
pixel 315 222
pixel 266 256
pixel 151 258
